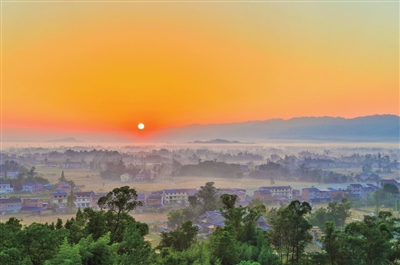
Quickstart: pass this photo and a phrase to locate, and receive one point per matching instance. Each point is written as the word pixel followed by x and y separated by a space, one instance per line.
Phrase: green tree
pixel 175 218
pixel 290 231
pixel 66 255
pixel 339 212
pixel 134 249
pixel 62 178
pixel 224 246
pixel 208 194
pixel 71 202
pixel 40 242
pixel 179 239
pixel 120 201
pixel 390 188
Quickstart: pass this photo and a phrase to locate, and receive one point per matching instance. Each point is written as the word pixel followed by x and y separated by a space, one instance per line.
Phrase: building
pixel 5 187
pixel 73 165
pixel 309 194
pixel 263 195
pixel 64 187
pixel 10 205
pixel 32 187
pixel 94 199
pixel 12 174
pixel 141 197
pixel 155 199
pixel 241 193
pixel 82 198
pixel 296 194
pixel 174 196
pixel 279 190
pixel 389 181
pixel 337 194
pixel 209 221
pixel 354 189
pixel 59 198
pixel 33 206
pixel 144 175
pixel 368 189
pixel 125 177
pixel 324 195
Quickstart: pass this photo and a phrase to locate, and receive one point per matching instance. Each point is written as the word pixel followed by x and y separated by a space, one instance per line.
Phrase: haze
pixel 95 70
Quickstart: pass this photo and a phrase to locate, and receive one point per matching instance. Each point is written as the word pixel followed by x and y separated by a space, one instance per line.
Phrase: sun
pixel 140 126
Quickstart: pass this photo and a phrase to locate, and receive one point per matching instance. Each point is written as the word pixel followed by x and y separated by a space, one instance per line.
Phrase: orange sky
pixel 105 67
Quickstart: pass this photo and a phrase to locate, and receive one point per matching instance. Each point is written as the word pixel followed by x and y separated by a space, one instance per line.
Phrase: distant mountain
pixel 368 128
pixel 66 140
pixel 216 141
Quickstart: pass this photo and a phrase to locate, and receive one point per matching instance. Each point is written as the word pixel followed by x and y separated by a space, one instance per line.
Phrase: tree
pixel 40 242
pixel 134 249
pixel 70 202
pixel 208 194
pixel 339 212
pixel 223 245
pixel 66 255
pixel 179 239
pixel 390 188
pixel 290 231
pixel 62 178
pixel 120 200
pixel 175 218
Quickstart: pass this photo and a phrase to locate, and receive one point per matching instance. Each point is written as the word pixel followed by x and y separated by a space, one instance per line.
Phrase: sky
pixel 96 69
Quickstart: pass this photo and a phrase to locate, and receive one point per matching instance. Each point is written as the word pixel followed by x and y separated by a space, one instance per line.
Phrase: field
pixel 27 218
pixel 91 180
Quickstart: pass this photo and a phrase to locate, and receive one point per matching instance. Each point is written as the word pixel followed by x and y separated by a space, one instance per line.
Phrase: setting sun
pixel 140 126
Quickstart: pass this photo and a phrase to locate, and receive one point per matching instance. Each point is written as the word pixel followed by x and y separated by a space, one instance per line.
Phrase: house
pixel 241 193
pixel 49 164
pixel 73 165
pixel 5 187
pixel 64 187
pixel 263 195
pixel 125 177
pixel 155 199
pixel 32 203
pixel 209 221
pixel 82 198
pixel 144 175
pixel 354 189
pixel 368 189
pixel 309 194
pixel 324 195
pixel 389 181
pixel 10 205
pixel 59 198
pixel 12 174
pixel 33 206
pixel 141 197
pixel 174 196
pixel 296 194
pixel 337 193
pixel 279 190
pixel 244 168
pixel 32 187
pixel 94 199
pixel 262 224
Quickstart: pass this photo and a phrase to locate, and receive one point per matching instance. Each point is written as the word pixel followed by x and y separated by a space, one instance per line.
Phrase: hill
pixel 368 128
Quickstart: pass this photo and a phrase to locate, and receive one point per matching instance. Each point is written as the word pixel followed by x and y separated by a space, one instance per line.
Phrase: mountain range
pixel 368 128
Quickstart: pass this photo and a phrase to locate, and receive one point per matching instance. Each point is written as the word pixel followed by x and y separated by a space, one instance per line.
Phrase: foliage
pixel 179 239
pixel 290 231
